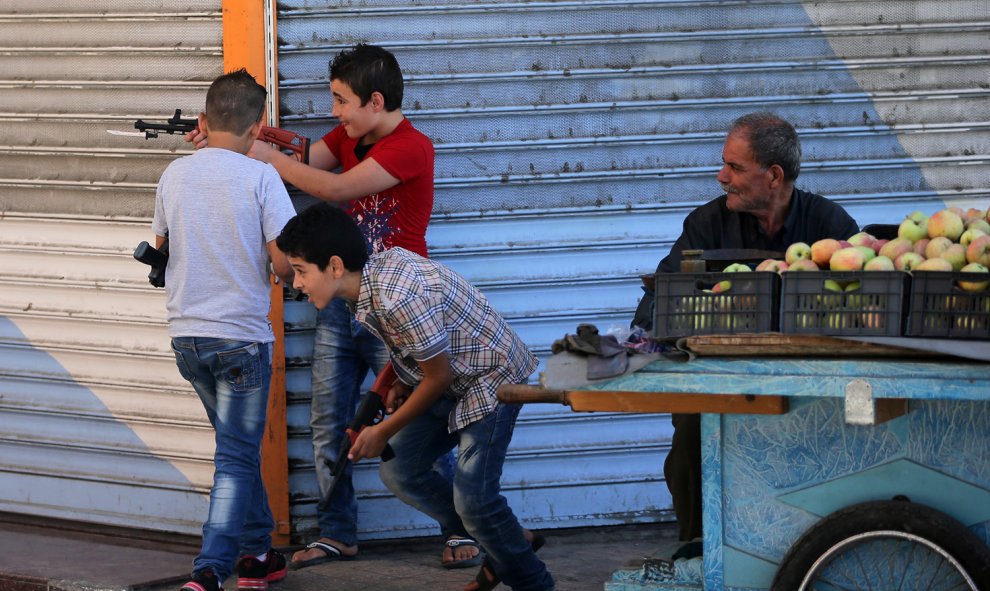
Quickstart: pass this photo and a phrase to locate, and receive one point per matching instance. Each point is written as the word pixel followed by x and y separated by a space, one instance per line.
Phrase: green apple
pixel 914 227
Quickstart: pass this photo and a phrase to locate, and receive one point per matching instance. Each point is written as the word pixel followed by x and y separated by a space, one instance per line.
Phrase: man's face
pixel 320 286
pixel 356 118
pixel 747 184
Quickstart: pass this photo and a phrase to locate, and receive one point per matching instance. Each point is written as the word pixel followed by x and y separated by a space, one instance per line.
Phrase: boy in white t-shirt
pixel 222 212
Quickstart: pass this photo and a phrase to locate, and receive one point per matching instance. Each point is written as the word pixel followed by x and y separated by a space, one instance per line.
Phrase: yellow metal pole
pixel 248 42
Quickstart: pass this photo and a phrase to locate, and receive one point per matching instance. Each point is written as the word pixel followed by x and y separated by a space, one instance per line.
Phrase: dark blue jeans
pixel 473 505
pixel 232 379
pixel 343 352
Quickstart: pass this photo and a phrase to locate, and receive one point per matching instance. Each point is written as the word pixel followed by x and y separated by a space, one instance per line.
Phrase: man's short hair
pixel 234 102
pixel 772 140
pixel 322 231
pixel 367 69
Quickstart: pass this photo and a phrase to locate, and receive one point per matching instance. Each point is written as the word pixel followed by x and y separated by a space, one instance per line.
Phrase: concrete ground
pixel 35 557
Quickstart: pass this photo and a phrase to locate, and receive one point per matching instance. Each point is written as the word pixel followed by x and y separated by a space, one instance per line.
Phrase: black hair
pixel 322 231
pixel 367 69
pixel 772 140
pixel 235 102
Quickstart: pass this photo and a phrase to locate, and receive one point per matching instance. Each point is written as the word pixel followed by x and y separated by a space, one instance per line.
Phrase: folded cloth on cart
pixel 604 355
pixel 568 371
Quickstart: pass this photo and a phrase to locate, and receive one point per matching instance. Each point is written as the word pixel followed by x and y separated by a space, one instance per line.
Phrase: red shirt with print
pixel 397 216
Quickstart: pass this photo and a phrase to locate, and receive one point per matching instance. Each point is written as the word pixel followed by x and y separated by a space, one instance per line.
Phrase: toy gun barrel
pixel 369 412
pixel 283 138
pixel 176 124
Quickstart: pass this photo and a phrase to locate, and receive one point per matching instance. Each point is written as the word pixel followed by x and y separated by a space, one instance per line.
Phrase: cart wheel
pixel 886 545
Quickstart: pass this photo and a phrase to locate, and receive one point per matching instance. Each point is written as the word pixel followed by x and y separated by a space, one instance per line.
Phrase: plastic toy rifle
pixel 283 138
pixel 157 258
pixel 370 412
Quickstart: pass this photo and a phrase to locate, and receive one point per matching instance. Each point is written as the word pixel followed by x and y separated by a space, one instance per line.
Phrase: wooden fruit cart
pixel 827 463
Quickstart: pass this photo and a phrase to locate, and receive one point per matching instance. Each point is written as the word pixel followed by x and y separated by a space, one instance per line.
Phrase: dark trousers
pixel 682 469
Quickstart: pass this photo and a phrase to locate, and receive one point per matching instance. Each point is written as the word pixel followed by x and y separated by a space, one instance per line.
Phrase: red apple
pixel 822 250
pixel 847 259
pixel 803 265
pixel 773 265
pixel 936 246
pixel 862 239
pixel 946 223
pixel 895 248
pixel 978 251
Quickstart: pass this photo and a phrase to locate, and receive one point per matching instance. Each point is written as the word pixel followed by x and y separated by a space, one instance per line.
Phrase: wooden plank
pixel 774 344
pixel 645 402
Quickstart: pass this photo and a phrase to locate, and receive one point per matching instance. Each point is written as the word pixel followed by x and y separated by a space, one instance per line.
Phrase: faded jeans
pixel 343 352
pixel 473 505
pixel 232 379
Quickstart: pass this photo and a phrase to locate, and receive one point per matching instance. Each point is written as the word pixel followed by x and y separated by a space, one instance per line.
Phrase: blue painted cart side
pixel 767 478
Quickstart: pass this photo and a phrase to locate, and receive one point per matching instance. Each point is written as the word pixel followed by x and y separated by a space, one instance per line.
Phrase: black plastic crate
pixel 940 308
pixel 810 304
pixel 686 306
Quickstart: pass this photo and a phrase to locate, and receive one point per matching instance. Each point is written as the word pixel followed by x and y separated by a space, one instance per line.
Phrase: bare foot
pixel 462 552
pixel 311 553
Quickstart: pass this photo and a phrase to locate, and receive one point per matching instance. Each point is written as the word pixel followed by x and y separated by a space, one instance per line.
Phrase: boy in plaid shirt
pixel 451 351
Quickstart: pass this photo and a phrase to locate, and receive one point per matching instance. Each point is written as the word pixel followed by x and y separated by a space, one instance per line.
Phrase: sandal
pixel 486 577
pixel 454 542
pixel 330 553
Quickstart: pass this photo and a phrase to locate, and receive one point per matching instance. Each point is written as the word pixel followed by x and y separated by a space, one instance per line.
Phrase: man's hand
pixel 370 443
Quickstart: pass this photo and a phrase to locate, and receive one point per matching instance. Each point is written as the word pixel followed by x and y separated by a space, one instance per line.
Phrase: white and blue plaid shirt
pixel 420 308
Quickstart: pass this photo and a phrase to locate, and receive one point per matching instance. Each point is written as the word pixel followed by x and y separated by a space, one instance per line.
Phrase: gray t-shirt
pixel 220 209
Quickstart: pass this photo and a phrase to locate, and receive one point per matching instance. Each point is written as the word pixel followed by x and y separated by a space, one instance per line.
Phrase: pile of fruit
pixel 949 240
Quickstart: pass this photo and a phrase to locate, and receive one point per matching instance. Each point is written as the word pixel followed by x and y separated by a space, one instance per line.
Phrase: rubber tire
pixel 897 515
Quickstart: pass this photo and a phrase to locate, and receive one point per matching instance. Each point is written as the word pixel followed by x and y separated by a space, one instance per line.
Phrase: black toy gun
pixel 283 138
pixel 157 258
pixel 370 412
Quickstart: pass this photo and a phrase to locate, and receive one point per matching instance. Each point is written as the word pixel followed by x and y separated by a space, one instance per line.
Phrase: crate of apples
pixel 861 284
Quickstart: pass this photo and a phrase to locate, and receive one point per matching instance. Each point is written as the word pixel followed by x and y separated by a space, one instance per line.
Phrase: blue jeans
pixel 232 379
pixel 343 352
pixel 473 505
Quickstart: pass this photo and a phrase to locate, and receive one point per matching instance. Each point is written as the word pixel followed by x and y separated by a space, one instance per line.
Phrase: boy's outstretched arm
pixel 315 178
pixel 437 376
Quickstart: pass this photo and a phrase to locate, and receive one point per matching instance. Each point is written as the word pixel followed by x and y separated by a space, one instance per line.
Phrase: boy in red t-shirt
pixel 385 182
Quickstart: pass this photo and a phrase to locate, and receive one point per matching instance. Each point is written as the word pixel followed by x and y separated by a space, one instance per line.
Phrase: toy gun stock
pixel 370 412
pixel 157 258
pixel 283 138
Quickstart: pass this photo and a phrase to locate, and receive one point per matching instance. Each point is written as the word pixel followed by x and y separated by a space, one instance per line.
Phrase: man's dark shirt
pixel 811 218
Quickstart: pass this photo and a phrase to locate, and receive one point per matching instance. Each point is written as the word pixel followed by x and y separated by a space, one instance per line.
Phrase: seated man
pixel 761 209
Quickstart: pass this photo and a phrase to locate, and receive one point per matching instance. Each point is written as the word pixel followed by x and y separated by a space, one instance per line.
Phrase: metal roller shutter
pixel 96 424
pixel 573 137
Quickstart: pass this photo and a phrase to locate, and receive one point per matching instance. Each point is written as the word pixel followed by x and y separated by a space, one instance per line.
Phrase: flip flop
pixel 486 577
pixel 330 553
pixel 453 543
